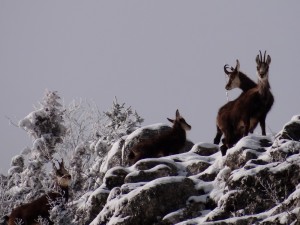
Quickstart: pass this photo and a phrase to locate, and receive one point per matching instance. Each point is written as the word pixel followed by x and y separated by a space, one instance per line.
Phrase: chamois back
pixel 164 144
pixel 236 79
pixel 251 107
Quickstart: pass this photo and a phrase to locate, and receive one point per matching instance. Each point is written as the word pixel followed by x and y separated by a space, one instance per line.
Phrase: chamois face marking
pixel 63 177
pixel 181 121
pixel 233 75
pixel 239 117
pixel 263 66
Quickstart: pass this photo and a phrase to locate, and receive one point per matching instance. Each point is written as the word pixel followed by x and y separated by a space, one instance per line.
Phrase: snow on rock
pixel 257 182
pixel 249 185
pixel 118 154
pixel 159 197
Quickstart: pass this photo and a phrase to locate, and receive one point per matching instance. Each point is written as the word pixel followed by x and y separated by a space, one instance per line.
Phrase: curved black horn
pixel 265 56
pixel 260 56
pixel 225 69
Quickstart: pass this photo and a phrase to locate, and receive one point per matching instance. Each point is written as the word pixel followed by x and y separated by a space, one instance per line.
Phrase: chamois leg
pixel 262 123
pixel 218 136
pixel 223 149
pixel 227 143
pixel 247 127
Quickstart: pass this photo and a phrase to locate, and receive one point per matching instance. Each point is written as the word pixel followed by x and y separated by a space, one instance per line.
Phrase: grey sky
pixel 156 56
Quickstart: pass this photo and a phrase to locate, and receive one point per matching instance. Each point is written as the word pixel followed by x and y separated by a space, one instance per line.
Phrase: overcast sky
pixel 155 56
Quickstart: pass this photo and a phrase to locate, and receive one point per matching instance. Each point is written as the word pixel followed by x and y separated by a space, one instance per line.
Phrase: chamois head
pixel 263 66
pixel 29 212
pixel 233 75
pixel 180 121
pixel 63 178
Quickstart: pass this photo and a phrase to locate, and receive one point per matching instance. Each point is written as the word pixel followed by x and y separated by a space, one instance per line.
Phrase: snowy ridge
pixel 223 191
pixel 257 182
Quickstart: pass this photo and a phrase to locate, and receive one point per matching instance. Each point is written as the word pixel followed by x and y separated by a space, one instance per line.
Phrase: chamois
pixel 237 79
pixel 242 81
pixel 30 212
pixel 248 109
pixel 165 144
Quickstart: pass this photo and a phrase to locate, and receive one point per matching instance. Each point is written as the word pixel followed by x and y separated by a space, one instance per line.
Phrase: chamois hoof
pixel 223 149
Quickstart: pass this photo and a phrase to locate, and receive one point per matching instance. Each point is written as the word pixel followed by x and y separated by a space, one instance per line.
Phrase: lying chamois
pixel 163 145
pixel 248 109
pixel 29 213
pixel 237 79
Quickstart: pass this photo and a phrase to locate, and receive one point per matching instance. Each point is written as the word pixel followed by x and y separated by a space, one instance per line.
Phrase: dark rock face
pixel 291 130
pixel 115 177
pixel 158 198
pixel 251 148
pixel 257 182
pixel 205 149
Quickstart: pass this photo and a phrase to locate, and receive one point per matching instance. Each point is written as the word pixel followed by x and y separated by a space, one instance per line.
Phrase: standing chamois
pixel 248 109
pixel 168 143
pixel 236 79
pixel 29 213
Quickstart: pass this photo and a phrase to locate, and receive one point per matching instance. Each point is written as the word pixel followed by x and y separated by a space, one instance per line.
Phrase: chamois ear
pixel 62 163
pixel 172 121
pixel 177 113
pixel 237 65
pixel 257 60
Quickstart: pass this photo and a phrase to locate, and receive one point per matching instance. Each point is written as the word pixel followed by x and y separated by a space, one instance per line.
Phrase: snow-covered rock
pixel 251 184
pixel 257 182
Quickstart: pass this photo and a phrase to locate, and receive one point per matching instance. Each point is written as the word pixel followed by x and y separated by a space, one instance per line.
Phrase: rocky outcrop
pixel 257 182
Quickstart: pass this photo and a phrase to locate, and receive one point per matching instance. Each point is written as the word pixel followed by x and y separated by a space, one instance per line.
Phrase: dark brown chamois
pixel 249 108
pixel 168 143
pixel 29 213
pixel 236 79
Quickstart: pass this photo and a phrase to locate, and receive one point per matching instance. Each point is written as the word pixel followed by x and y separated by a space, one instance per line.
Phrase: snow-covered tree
pixel 119 121
pixel 45 126
pixel 78 133
pixel 92 135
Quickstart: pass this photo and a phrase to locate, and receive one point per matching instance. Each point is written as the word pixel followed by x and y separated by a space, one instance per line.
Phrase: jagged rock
pixel 92 206
pixel 151 174
pixel 291 131
pixel 151 163
pixel 270 184
pixel 114 157
pixel 257 182
pixel 246 149
pixel 148 204
pixel 282 149
pixel 205 149
pixel 197 167
pixel 115 177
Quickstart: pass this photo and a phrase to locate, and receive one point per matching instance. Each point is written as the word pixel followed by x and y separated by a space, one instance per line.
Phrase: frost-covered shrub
pixel 118 122
pixel 47 121
pixel 29 172
pixel 77 133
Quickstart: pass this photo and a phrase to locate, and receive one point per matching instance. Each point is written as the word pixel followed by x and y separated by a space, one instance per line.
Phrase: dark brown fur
pixel 248 109
pixel 245 84
pixel 165 144
pixel 30 212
